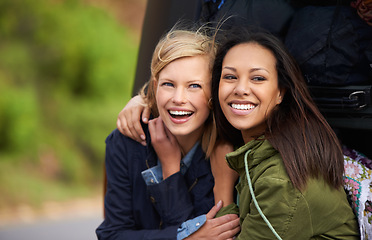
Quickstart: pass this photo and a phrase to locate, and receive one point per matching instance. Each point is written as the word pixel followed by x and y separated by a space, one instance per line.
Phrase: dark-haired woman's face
pixel 248 90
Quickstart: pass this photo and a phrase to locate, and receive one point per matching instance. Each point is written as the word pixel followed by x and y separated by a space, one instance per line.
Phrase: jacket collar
pixel 200 165
pixel 261 149
pixel 151 160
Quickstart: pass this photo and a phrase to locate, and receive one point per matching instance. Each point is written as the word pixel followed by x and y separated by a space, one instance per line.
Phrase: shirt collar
pixel 187 159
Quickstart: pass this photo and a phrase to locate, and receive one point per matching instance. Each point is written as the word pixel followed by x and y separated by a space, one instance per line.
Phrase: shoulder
pixel 327 209
pixel 324 198
pixel 272 169
pixel 116 138
pixel 120 147
pixel 271 181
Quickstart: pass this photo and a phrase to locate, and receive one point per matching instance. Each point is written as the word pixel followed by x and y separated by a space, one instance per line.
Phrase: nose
pixel 242 88
pixel 179 96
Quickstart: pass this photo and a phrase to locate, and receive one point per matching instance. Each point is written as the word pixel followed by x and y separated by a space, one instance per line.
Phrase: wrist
pixel 226 198
pixel 224 184
pixel 224 191
pixel 169 171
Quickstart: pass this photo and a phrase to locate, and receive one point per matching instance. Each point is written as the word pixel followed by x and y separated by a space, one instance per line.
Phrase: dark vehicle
pixel 331 40
pixel 332 43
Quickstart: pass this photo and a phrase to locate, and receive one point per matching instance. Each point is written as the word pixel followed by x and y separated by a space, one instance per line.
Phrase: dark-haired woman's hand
pixel 129 119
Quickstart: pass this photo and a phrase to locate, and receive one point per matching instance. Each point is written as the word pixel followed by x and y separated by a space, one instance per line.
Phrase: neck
pixel 247 138
pixel 249 135
pixel 187 142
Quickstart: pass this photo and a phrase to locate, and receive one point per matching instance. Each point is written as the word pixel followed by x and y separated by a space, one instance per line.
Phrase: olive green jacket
pixel 318 212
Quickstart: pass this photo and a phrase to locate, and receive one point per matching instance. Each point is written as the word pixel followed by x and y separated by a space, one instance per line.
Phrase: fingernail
pixel 143 143
pixel 143 137
pixel 144 119
pixel 219 203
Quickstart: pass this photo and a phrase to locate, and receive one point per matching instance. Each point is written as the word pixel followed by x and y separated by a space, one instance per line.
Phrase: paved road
pixel 82 228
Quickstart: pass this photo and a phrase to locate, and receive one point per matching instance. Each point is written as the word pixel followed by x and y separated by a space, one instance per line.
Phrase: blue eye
pixel 195 85
pixel 167 84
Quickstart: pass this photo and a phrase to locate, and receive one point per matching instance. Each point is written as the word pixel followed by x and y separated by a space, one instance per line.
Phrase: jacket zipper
pixel 193 185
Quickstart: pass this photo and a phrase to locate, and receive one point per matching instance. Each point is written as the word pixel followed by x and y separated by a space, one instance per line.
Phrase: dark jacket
pixel 134 210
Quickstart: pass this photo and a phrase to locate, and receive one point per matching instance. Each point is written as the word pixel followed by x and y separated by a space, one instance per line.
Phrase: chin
pixel 176 130
pixel 180 133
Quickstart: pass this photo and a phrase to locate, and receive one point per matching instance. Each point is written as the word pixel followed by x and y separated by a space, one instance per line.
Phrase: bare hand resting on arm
pixel 225 227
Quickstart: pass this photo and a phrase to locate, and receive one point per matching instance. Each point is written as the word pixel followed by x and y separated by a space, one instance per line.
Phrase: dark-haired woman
pixel 290 162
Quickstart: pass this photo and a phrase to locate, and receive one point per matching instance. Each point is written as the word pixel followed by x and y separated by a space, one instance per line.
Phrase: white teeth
pixel 180 113
pixel 242 106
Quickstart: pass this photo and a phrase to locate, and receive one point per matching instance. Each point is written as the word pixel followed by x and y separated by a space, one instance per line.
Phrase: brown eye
pixel 258 78
pixel 229 77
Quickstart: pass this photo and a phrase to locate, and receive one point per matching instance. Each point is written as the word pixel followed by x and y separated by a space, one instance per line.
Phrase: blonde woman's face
pixel 183 91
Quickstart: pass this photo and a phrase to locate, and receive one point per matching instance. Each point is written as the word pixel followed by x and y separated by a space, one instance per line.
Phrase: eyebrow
pixel 194 81
pixel 252 70
pixel 230 68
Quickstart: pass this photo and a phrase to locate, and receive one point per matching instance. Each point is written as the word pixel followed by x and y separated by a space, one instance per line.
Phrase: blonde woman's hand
pixel 166 147
pixel 221 228
pixel 129 123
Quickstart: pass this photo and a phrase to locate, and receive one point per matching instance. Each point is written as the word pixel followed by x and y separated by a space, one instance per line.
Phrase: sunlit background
pixel 66 70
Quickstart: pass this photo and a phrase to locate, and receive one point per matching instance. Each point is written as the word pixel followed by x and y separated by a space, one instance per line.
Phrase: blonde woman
pixel 164 189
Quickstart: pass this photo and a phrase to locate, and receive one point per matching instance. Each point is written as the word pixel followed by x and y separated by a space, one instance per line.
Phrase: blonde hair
pixel 176 44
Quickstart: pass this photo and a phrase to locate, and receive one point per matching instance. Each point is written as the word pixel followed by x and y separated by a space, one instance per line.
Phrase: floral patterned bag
pixel 358 186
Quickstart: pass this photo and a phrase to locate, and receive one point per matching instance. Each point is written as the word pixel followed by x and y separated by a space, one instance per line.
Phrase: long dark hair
pixel 296 128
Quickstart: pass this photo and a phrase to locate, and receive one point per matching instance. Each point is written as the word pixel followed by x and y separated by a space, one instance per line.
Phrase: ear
pixel 280 96
pixel 210 103
pixel 154 83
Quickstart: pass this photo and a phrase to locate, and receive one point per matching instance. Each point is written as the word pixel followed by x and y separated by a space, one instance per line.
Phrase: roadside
pixel 51 210
pixel 73 220
pixel 129 13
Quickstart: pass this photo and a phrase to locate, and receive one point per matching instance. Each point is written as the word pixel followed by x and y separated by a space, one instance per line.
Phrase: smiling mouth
pixel 180 114
pixel 242 106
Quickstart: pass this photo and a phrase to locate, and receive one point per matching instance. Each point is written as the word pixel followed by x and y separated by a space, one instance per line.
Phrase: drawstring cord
pixel 254 197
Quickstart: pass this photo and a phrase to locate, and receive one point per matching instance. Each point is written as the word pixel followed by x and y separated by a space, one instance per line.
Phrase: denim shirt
pixel 154 175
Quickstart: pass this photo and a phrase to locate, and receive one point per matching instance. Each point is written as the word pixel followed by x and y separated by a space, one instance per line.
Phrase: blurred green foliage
pixel 66 70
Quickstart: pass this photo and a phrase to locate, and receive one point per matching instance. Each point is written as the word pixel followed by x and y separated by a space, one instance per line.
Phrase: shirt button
pixel 152 180
pixel 197 224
